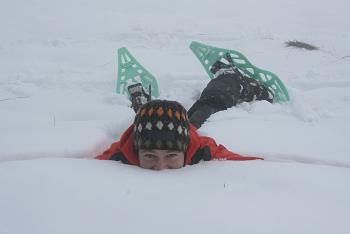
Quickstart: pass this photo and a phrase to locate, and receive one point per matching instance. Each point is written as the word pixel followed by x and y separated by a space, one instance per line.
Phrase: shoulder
pixel 122 150
pixel 199 148
pixel 205 148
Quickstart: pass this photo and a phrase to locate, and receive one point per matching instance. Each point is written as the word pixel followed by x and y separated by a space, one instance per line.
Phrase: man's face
pixel 161 159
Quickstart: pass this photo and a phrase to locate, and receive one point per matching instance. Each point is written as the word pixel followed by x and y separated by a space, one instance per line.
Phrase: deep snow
pixel 59 108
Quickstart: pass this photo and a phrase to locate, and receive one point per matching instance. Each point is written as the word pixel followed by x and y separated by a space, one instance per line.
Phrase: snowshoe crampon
pixel 208 55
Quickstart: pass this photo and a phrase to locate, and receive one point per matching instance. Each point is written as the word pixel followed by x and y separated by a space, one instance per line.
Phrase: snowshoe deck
pixel 130 71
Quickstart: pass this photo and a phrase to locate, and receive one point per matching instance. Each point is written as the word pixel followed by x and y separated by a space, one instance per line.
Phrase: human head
pixel 161 134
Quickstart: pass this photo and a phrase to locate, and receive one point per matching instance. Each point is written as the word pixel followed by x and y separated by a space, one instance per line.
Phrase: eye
pixel 149 156
pixel 171 156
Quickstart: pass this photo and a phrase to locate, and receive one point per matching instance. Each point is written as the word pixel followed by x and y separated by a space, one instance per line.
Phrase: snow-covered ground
pixel 58 68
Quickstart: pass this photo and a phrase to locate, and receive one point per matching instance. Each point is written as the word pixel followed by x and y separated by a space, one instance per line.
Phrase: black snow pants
pixel 225 91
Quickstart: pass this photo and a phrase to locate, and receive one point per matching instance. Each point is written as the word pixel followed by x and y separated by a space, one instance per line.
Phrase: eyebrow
pixel 152 151
pixel 149 151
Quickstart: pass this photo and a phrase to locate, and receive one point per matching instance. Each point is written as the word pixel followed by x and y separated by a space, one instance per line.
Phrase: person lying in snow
pixel 164 135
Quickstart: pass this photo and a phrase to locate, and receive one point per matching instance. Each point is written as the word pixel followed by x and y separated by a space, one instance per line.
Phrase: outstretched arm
pixel 109 152
pixel 219 152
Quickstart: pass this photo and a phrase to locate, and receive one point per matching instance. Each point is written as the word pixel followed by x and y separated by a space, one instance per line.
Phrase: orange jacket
pixel 200 148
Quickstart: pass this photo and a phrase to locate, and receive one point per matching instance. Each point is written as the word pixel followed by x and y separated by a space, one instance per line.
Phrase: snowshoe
pixel 131 72
pixel 209 56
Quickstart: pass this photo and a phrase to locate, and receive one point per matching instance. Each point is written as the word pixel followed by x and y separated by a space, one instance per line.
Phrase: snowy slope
pixel 59 107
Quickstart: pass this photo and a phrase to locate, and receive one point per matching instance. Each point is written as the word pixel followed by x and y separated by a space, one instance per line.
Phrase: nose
pixel 160 165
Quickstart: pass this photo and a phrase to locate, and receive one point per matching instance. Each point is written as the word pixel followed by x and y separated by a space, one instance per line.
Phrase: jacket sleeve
pixel 219 152
pixel 113 149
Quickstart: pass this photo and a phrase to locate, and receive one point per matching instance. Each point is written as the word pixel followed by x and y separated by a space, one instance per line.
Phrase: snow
pixel 59 109
pixel 88 196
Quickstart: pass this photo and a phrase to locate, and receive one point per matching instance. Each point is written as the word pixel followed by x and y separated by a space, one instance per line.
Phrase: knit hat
pixel 161 124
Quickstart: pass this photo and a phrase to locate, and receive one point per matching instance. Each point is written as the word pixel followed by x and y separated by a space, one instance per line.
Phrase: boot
pixel 138 96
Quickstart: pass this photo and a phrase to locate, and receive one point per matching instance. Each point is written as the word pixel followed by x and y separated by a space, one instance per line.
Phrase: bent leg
pixel 220 93
pixel 200 112
pixel 203 108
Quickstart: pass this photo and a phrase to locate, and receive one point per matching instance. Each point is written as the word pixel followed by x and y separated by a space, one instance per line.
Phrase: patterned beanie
pixel 161 124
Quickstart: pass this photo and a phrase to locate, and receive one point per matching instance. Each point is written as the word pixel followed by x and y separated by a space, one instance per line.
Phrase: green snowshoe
pixel 208 55
pixel 131 72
